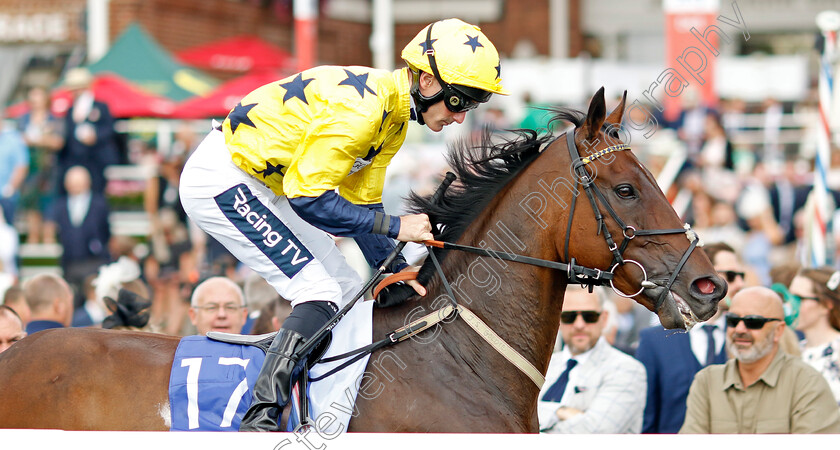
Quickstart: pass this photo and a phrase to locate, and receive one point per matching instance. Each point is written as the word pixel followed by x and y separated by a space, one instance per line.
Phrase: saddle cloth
pixel 211 382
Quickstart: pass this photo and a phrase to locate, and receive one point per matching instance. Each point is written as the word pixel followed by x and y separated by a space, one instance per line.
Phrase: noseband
pixel 595 195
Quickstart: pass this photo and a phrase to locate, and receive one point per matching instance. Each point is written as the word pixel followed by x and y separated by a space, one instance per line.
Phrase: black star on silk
pixel 423 45
pixel 473 42
pixel 239 116
pixel 270 169
pixel 384 115
pixel 372 153
pixel 499 70
pixel 295 88
pixel 357 81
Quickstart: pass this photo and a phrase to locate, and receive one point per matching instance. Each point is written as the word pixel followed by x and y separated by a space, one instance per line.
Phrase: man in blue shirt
pixel 14 164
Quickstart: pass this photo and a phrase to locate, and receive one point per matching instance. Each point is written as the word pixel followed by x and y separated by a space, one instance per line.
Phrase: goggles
pixel 463 98
pixel 569 317
pixel 752 322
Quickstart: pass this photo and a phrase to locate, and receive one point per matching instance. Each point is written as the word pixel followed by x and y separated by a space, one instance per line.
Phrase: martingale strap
pixel 434 318
pixel 501 346
pixel 478 325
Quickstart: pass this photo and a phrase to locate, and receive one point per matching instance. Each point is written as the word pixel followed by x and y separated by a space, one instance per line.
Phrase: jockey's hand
pixel 418 288
pixel 415 228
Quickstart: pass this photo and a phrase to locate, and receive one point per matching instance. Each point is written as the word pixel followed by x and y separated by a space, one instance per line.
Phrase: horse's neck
pixel 520 302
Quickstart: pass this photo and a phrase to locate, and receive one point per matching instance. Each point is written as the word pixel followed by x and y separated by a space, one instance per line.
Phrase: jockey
pixel 306 156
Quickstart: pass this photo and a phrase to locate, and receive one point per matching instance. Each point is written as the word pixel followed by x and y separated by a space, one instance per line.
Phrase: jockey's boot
pixel 282 365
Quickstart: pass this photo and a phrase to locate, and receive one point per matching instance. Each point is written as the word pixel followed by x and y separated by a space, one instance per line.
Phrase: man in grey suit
pixel 590 386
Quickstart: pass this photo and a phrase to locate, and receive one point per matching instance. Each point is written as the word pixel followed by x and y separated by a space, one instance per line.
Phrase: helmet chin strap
pixel 421 102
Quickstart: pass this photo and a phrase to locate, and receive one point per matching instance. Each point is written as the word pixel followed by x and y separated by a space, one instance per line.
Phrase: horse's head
pixel 643 242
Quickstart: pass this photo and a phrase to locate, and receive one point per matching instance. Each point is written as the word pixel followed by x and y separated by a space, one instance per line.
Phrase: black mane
pixel 482 170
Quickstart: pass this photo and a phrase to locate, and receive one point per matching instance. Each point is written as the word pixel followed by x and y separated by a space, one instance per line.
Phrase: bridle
pixel 575 273
pixel 583 179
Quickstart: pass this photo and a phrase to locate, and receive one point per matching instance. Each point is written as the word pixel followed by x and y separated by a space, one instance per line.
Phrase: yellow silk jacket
pixel 323 129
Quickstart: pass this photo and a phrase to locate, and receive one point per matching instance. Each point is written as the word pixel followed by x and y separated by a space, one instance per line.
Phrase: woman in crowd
pixel 819 320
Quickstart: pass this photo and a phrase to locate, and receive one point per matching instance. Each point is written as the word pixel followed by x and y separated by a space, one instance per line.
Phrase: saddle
pixel 263 341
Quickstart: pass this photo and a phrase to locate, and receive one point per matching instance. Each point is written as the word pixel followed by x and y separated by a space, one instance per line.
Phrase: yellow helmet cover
pixel 464 55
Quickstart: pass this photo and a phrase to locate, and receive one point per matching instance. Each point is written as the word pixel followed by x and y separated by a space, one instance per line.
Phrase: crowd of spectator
pixel 616 370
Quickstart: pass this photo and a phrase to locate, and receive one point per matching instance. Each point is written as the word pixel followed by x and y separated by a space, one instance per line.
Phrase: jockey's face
pixel 437 116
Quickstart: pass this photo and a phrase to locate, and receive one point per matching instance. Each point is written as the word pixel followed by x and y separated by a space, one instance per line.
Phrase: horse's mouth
pixel 688 317
pixel 675 305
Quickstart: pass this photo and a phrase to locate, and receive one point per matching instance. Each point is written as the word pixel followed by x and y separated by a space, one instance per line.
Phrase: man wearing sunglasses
pixel 304 158
pixel 672 359
pixel 761 389
pixel 590 386
pixel 728 265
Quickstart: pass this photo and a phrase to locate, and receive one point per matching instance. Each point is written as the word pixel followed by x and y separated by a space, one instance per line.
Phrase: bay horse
pixel 519 195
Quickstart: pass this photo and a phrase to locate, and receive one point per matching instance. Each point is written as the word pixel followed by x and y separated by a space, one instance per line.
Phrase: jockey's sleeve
pixel 376 248
pixel 337 216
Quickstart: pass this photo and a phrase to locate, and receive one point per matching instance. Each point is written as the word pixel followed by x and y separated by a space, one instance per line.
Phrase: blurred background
pixel 727 107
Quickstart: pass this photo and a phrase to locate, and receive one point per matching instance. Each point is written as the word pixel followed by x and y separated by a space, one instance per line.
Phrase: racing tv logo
pixel 264 229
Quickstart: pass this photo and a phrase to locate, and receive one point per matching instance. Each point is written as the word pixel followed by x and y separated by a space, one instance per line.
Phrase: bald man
pixel 761 389
pixel 218 304
pixel 50 302
pixel 11 328
pixel 13 298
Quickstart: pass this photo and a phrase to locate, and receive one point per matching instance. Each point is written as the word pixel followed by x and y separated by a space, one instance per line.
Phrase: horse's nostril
pixel 705 286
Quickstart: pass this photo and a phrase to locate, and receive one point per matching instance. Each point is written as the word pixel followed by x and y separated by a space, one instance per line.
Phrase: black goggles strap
pixel 430 53
pixel 464 102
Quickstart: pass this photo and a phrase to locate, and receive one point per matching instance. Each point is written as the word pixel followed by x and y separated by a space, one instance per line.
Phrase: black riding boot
pixel 282 365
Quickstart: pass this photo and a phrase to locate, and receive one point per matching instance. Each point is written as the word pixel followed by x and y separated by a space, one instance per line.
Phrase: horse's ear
pixel 615 116
pixel 595 116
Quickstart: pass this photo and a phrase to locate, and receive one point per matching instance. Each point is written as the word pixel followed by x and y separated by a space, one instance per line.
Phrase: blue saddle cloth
pixel 210 384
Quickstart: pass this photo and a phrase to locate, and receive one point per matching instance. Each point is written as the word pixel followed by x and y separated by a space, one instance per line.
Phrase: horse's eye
pixel 625 191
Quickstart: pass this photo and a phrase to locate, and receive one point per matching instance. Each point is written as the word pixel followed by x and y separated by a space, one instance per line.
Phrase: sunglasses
pixel 569 317
pixel 751 322
pixel 801 297
pixel 731 275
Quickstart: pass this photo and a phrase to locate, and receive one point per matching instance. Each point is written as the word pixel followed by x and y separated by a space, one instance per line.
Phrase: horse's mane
pixel 482 168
